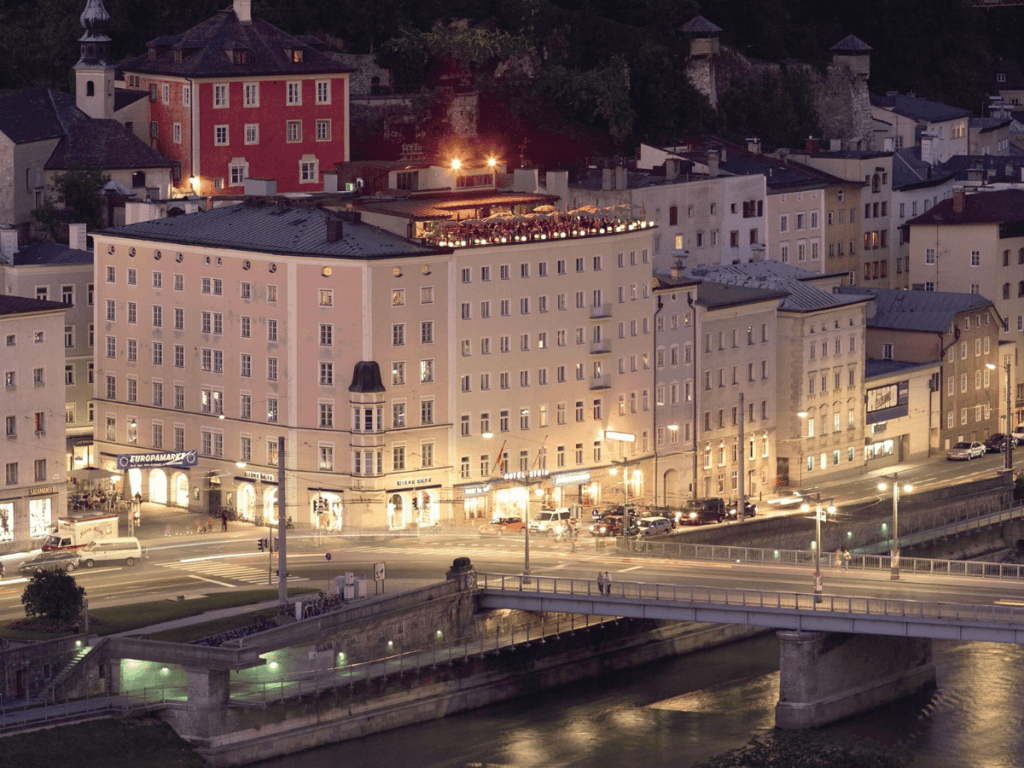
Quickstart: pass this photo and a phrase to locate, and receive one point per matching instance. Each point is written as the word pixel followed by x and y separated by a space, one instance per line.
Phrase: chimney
pixel 76 237
pixel 8 244
pixel 607 178
pixel 330 181
pixel 260 187
pixel 712 163
pixel 927 137
pixel 959 200
pixel 811 145
pixel 243 10
pixel 671 169
pixel 678 264
pixel 335 228
pixel 620 177
pixel 754 145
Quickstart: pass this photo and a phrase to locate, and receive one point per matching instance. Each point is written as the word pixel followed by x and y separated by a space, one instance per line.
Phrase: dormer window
pixel 1001 77
pixel 177 56
pixel 295 54
pixel 240 56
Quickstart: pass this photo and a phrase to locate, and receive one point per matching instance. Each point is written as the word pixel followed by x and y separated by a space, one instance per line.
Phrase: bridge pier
pixel 827 676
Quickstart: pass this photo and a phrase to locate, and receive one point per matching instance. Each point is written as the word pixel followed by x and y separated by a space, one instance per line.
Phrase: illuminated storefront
pixel 326 508
pixel 476 501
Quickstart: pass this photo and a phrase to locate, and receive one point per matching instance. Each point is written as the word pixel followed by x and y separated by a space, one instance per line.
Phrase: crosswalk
pixel 219 569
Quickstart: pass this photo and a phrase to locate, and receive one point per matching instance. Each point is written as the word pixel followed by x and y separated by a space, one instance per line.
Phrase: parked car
pixel 1018 432
pixel 700 511
pixel 749 510
pixel 502 525
pixel 965 451
pixel 654 526
pixel 50 561
pixel 609 525
pixel 997 443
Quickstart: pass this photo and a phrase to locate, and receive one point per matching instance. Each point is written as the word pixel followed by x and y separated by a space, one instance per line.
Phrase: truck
pixel 75 531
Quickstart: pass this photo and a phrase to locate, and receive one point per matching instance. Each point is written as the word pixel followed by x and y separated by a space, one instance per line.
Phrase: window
pixel 323 130
pixel 220 135
pixel 293 131
pixel 323 91
pixel 309 171
pixel 294 93
pixel 426 412
pixel 220 96
pixel 251 94
pixel 427 332
pixel 237 174
pixel 272 369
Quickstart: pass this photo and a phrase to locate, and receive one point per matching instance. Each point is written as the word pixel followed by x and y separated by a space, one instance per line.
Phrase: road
pixel 207 564
pixel 200 564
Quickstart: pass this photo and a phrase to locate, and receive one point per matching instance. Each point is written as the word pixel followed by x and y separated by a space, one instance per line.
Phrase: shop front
pixel 326 509
pixel 257 496
pixel 414 501
pixel 476 501
pixel 576 488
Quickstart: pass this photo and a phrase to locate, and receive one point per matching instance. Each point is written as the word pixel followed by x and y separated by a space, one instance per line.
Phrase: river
pixel 678 713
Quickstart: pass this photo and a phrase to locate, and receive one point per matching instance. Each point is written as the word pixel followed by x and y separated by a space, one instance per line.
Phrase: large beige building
pixel 413 382
pixel 33 456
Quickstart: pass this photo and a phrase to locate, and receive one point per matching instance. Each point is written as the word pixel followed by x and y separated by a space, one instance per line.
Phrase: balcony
pixel 602 347
pixel 601 382
pixel 601 311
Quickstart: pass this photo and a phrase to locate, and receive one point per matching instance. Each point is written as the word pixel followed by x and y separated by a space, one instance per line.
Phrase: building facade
pixel 33 491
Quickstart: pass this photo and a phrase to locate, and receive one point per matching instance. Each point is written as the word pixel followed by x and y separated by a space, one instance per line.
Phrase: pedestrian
pixel 607 583
pixel 600 582
pixel 138 499
pixel 137 516
pixel 209 523
pixel 573 533
pixel 847 557
pixel 223 521
pixel 839 557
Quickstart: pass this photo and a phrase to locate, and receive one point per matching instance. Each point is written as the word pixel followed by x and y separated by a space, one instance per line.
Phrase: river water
pixel 680 712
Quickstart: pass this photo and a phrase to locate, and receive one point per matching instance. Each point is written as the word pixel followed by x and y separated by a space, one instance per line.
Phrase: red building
pixel 236 97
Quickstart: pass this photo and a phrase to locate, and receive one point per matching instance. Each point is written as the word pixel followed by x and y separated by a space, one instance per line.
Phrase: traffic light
pixel 261 544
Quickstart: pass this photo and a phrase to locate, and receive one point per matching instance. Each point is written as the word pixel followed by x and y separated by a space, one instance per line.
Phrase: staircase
pixel 47 693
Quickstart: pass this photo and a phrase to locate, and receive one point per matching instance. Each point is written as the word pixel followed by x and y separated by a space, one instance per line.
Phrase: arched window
pixel 1020 288
pixel 90 88
pixel 1006 290
pixel 1006 258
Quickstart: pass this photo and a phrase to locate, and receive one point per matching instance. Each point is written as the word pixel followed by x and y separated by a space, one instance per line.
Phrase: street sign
pixel 378 571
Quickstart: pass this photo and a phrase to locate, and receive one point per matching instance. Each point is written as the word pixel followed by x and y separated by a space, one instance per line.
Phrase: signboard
pixel 378 571
pixel 476 490
pixel 532 474
pixel 570 478
pixel 413 481
pixel 148 460
pixel 264 476
pixel 888 402
pixel 42 490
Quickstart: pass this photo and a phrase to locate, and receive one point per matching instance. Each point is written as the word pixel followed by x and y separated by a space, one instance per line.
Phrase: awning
pixel 92 473
pixel 412 488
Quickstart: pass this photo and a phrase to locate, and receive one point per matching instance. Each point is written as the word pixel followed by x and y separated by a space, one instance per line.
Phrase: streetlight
pixel 529 478
pixel 1008 453
pixel 907 488
pixel 819 515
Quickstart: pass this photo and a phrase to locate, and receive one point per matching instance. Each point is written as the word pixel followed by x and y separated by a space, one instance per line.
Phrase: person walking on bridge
pixel 600 582
pixel 607 583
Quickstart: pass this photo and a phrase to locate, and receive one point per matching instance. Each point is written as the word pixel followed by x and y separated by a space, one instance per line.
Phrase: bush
pixel 797 749
pixel 54 595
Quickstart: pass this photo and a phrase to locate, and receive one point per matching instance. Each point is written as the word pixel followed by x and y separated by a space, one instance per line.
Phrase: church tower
pixel 94 74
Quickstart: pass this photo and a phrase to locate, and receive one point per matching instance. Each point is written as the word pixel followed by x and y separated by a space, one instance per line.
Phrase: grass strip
pixel 126 618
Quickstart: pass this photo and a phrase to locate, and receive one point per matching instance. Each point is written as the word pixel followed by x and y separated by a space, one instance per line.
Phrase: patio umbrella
pixel 545 209
pixel 91 474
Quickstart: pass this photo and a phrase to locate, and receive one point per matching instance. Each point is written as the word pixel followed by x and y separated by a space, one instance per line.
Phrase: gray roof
pixel 851 44
pixel 917 108
pixel 42 113
pixel 202 51
pixel 701 26
pixel 925 311
pixel 50 254
pixel 801 295
pixel 875 368
pixel 721 295
pixel 22 305
pixel 268 228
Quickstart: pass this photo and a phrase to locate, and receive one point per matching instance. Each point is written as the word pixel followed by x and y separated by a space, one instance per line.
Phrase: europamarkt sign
pixel 147 460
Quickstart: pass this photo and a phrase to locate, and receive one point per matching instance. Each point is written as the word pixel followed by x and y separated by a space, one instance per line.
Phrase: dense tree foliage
pixel 77 199
pixel 601 66
pixel 53 595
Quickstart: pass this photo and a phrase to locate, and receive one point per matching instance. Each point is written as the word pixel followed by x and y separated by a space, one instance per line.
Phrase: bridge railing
pixel 805 558
pixel 633 591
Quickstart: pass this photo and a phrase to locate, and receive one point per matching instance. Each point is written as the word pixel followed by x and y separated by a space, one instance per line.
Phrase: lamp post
pixel 895 555
pixel 1008 453
pixel 527 481
pixel 819 514
pixel 801 416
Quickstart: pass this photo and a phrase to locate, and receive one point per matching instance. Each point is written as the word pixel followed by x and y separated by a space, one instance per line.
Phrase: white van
pixel 548 521
pixel 126 550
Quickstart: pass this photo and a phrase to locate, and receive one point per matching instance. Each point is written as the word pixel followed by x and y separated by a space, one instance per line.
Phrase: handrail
pixel 751 598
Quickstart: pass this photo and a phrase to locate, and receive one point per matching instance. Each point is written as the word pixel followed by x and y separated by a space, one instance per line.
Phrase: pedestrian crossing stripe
pixel 237 572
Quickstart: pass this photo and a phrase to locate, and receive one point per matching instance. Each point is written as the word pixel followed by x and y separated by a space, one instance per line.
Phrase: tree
pixel 77 200
pixel 54 595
